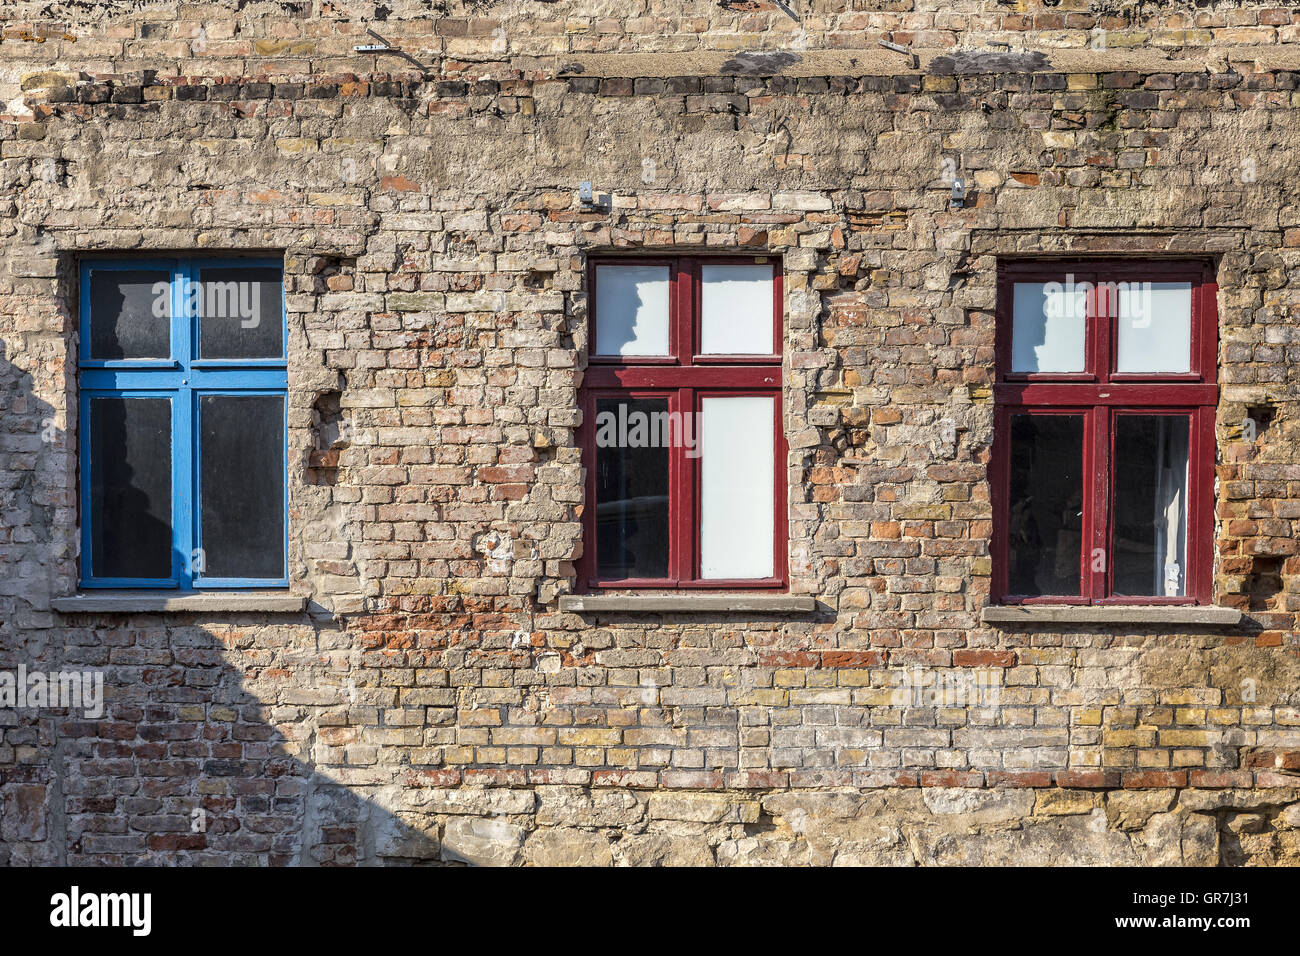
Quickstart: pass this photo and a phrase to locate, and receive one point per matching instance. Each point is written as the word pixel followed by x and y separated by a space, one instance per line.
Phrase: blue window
pixel 184 391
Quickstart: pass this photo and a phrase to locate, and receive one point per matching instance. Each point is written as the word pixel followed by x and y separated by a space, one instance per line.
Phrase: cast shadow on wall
pixel 184 765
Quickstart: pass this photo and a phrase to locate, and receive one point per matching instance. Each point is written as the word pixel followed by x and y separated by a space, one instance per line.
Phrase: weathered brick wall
pixel 435 703
pixel 306 32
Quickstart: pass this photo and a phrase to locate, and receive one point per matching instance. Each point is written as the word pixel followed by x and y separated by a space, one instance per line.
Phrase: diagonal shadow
pixel 185 765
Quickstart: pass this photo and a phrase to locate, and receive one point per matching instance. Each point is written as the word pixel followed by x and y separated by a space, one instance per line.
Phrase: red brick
pixel 1142 779
pixel 852 658
pixel 983 658
pixel 951 778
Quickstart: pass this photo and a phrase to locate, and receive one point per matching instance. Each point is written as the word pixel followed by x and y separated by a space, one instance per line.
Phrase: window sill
pixel 148 602
pixel 1109 614
pixel 688 603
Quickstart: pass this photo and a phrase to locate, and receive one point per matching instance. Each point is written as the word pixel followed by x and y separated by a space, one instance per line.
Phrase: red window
pixel 1103 460
pixel 683 442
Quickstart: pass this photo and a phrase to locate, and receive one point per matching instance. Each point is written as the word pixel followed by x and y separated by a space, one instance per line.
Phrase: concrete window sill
pixel 149 602
pixel 688 603
pixel 1110 614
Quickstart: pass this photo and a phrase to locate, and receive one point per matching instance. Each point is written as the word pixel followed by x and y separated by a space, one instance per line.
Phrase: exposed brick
pixel 434 703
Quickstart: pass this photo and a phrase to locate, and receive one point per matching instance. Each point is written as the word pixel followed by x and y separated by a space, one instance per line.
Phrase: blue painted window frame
pixel 184 379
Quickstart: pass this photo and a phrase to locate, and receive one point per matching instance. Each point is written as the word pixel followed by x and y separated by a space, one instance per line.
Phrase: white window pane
pixel 1047 327
pixel 736 487
pixel 632 310
pixel 736 307
pixel 1155 327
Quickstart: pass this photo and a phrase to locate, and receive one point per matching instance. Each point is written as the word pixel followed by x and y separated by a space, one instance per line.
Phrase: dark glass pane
pixel 130 487
pixel 1045 522
pixel 130 314
pixel 240 313
pixel 242 511
pixel 632 488
pixel 1150 522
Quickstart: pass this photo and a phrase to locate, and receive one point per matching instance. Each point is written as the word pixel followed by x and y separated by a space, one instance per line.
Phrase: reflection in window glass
pixel 1047 327
pixel 1154 327
pixel 632 310
pixel 1046 505
pixel 1150 522
pixel 632 521
pixel 131 487
pixel 130 314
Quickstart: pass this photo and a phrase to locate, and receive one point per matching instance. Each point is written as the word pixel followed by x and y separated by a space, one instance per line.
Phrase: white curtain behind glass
pixel 1170 571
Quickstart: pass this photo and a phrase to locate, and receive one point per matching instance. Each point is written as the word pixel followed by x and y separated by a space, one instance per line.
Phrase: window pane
pixel 1047 327
pixel 632 310
pixel 130 487
pixel 632 442
pixel 1045 522
pixel 240 313
pixel 736 310
pixel 736 487
pixel 1155 327
pixel 1150 524
pixel 242 474
pixel 130 313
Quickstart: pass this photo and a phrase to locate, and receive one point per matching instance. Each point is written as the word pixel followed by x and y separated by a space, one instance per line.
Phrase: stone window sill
pixel 151 602
pixel 1109 614
pixel 688 603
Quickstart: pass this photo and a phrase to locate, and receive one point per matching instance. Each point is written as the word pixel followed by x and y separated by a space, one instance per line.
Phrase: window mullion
pixel 184 507
pixel 1097 556
pixel 685 538
pixel 683 319
pixel 684 510
pixel 1101 310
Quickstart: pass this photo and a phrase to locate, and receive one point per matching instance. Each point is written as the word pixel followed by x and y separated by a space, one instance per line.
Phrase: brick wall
pixel 434 702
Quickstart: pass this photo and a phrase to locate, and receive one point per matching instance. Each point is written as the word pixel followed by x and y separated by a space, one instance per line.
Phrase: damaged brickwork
pixel 433 702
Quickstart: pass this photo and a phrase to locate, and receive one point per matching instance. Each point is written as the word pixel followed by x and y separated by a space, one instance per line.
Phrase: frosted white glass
pixel 736 487
pixel 1047 327
pixel 1155 327
pixel 632 310
pixel 736 310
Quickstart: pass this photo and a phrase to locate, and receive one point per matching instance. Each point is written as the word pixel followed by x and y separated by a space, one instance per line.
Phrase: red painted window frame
pixel 684 377
pixel 1102 396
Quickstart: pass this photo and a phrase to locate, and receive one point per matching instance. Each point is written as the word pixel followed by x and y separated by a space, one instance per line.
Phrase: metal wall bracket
pixel 912 58
pixel 388 48
pixel 958 193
